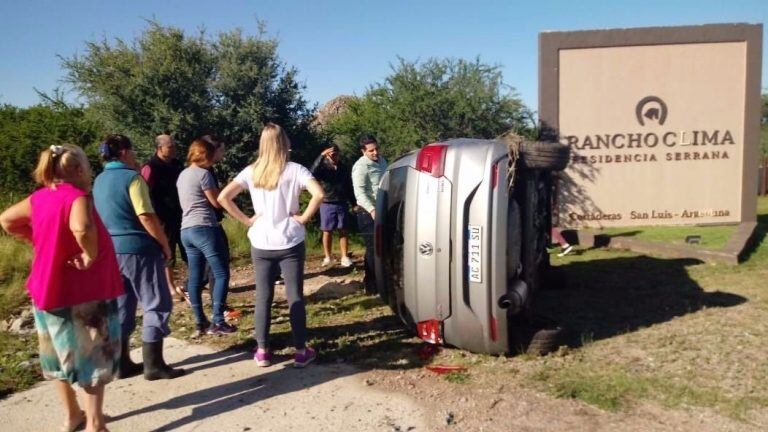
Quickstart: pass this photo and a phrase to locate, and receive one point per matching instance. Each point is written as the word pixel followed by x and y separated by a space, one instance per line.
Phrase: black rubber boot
pixel 154 365
pixel 127 367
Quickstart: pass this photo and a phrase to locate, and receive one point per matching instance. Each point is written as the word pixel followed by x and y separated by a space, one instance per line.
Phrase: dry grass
pixel 677 333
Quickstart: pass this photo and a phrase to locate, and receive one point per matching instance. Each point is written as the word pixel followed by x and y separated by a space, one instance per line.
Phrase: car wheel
pixel 535 335
pixel 550 156
pixel 546 340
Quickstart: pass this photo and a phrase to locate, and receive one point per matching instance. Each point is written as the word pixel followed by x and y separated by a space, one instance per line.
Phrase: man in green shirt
pixel 366 176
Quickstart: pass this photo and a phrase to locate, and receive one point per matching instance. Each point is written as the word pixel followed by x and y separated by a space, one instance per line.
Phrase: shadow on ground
pixel 758 236
pixel 229 396
pixel 599 299
pixel 373 341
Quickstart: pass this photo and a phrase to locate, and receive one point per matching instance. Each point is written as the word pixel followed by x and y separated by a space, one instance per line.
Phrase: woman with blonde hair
pixel 276 232
pixel 73 282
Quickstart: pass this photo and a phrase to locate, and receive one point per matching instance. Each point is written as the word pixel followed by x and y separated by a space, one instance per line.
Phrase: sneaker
pixel 346 262
pixel 200 329
pixel 263 358
pixel 221 329
pixel 326 262
pixel 565 251
pixel 302 359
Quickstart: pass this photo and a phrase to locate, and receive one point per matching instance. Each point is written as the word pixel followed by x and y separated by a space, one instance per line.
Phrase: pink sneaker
pixel 263 358
pixel 302 359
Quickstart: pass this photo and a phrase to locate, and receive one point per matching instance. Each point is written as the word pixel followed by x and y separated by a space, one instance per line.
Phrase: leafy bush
pixel 168 81
pixel 431 101
pixel 15 258
pixel 25 132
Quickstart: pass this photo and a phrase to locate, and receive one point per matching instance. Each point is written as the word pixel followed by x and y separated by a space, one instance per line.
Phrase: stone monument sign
pixel 663 123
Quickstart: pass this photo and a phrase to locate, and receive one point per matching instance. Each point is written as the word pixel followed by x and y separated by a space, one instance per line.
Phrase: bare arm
pixel 212 195
pixel 142 206
pixel 314 188
pixel 151 223
pixel 227 200
pixel 16 220
pixel 83 229
pixel 82 226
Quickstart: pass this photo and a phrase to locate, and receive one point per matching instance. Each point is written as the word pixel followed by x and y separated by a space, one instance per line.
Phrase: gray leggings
pixel 267 266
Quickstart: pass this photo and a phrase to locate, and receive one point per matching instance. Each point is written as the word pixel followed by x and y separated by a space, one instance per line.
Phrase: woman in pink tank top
pixel 73 282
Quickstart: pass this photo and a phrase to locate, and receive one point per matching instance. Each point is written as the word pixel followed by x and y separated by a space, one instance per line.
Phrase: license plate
pixel 475 253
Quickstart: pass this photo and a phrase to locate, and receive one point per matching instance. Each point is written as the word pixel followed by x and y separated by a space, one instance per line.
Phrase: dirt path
pixel 225 391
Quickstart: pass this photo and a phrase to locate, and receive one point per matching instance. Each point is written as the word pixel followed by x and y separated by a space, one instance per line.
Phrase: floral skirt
pixel 81 343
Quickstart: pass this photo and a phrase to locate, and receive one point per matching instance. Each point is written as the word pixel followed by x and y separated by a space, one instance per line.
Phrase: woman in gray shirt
pixel 202 237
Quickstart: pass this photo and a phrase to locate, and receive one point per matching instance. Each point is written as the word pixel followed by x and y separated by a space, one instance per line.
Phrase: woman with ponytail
pixel 276 232
pixel 74 282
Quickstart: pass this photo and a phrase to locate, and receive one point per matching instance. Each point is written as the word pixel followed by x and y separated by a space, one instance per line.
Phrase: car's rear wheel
pixel 542 155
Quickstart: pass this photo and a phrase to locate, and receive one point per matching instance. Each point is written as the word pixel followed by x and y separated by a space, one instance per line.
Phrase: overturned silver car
pixel 461 232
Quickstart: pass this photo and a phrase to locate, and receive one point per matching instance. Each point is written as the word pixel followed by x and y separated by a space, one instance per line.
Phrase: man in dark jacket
pixel 336 180
pixel 161 173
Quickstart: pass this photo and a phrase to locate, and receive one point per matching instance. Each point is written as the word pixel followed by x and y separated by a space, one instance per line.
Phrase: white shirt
pixel 275 228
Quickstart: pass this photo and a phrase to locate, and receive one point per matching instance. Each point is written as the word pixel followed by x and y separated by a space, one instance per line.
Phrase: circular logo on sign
pixel 651 109
pixel 426 249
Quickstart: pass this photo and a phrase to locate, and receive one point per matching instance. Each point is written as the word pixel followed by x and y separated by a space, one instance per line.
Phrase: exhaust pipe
pixel 515 298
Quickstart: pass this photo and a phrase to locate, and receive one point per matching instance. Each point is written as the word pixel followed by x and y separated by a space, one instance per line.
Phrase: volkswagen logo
pixel 426 249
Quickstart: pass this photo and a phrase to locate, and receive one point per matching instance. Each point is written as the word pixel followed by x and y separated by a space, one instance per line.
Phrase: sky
pixel 340 47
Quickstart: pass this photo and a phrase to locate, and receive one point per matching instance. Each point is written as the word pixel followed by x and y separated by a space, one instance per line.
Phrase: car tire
pixel 546 340
pixel 542 155
pixel 535 335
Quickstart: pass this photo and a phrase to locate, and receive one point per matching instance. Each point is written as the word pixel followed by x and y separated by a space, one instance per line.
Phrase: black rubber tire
pixel 535 335
pixel 546 340
pixel 542 155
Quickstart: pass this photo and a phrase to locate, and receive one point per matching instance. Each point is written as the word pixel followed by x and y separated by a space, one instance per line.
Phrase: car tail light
pixel 431 159
pixel 494 327
pixel 495 175
pixel 429 331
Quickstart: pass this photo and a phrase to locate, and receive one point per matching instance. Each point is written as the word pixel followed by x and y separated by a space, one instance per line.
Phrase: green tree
pixel 166 81
pixel 423 102
pixel 764 124
pixel 25 132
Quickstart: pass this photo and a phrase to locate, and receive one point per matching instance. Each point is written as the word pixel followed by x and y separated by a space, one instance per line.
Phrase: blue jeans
pixel 207 243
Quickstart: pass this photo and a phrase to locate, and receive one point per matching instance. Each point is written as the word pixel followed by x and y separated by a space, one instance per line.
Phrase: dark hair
pixel 213 140
pixel 365 140
pixel 200 152
pixel 112 145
